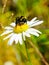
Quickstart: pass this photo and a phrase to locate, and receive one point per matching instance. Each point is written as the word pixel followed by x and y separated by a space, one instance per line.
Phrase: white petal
pixel 23 36
pixel 16 38
pixel 33 32
pixel 6 32
pixel 36 23
pixel 8 36
pixel 13 24
pixel 20 38
pixel 11 40
pixel 32 21
pixel 27 34
pixel 8 28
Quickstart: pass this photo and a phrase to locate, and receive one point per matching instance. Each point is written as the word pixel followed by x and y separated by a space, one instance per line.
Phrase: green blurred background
pixel 29 9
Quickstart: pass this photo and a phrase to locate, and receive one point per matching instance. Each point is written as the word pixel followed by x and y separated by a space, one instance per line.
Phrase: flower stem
pixel 4 6
pixel 28 55
pixel 38 52
pixel 18 57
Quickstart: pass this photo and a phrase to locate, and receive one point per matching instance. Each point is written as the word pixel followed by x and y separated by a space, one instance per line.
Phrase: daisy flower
pixel 8 63
pixel 17 31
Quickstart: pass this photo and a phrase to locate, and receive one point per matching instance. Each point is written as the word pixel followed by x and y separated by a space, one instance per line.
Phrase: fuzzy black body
pixel 21 20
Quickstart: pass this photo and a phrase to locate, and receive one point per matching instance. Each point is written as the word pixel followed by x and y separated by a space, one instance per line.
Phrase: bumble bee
pixel 21 20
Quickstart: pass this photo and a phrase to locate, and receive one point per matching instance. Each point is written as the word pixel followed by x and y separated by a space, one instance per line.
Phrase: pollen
pixel 20 28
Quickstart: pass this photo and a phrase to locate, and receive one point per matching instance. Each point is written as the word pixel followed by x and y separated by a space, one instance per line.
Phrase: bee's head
pixel 21 20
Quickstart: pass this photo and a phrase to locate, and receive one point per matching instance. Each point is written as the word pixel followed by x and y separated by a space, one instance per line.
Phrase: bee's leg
pixel 16 23
pixel 26 22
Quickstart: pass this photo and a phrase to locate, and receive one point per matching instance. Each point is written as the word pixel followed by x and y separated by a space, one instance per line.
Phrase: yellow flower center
pixel 20 28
